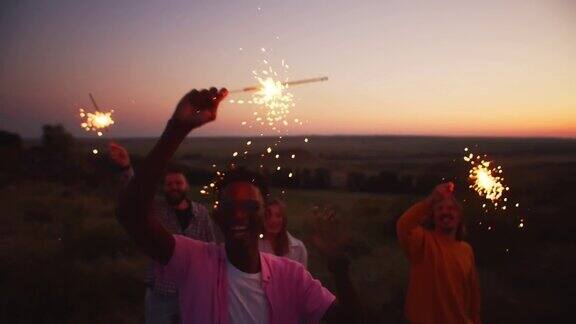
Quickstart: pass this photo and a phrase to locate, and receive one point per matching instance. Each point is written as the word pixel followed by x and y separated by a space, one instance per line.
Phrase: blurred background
pixel 65 259
pixel 411 84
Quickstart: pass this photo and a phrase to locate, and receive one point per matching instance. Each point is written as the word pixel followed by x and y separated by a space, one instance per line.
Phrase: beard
pixel 175 197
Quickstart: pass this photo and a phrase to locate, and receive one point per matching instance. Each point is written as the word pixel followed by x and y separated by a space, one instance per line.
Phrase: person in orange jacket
pixel 443 284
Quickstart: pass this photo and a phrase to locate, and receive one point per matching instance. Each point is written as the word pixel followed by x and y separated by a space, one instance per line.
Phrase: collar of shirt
pixel 291 291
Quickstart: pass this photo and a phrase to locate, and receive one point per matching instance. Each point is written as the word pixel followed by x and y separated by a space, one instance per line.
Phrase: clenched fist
pixel 198 107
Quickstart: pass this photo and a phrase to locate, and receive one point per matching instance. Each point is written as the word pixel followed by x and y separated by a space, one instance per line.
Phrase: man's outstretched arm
pixel 194 110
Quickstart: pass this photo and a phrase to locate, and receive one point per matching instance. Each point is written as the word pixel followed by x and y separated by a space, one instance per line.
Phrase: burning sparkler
pixel 282 84
pixel 96 121
pixel 486 179
pixel 272 102
pixel 272 96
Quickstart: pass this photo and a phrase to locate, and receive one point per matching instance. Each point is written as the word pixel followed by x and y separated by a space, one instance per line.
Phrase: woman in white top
pixel 276 239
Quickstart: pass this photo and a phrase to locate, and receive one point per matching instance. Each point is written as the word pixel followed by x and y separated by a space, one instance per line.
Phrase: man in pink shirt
pixel 234 283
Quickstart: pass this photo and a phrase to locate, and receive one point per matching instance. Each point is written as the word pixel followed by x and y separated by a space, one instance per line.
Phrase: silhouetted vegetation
pixel 66 260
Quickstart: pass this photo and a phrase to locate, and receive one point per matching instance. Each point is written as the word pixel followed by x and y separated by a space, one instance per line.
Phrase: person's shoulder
pixel 466 247
pixel 294 242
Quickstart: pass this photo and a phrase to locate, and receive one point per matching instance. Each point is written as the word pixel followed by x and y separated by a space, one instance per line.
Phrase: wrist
pixel 176 128
pixel 177 124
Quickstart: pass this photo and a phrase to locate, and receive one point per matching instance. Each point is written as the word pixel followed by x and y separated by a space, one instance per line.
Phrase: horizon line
pixel 573 137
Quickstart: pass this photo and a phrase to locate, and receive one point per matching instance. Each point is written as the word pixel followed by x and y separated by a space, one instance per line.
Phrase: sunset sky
pixel 429 67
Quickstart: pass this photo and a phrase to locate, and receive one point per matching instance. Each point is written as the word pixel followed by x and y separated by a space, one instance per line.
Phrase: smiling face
pixel 274 220
pixel 447 216
pixel 240 214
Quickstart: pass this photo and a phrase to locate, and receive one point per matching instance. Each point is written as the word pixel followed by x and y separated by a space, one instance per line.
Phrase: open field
pixel 67 260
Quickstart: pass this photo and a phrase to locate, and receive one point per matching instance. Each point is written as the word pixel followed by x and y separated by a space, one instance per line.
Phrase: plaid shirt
pixel 200 228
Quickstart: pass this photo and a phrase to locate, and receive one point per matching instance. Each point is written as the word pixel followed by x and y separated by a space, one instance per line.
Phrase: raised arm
pixel 120 157
pixel 409 226
pixel 194 110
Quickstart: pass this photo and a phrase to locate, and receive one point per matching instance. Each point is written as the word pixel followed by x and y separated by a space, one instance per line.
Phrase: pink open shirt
pixel 199 270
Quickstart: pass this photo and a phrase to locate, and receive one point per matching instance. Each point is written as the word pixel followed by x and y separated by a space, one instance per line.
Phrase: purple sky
pixel 493 67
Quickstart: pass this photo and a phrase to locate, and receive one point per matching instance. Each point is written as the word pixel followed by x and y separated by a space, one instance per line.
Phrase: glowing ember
pixel 485 183
pixel 488 182
pixel 274 96
pixel 485 179
pixel 271 102
pixel 97 121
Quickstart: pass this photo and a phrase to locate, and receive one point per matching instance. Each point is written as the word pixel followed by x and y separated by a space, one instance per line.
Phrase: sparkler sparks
pixel 272 96
pixel 97 121
pixel 271 101
pixel 275 97
pixel 487 180
pixel 485 183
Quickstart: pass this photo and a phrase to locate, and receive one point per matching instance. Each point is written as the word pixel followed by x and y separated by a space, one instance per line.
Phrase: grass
pixel 65 258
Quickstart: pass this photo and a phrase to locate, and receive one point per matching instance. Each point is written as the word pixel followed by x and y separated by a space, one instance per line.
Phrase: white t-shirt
pixel 247 302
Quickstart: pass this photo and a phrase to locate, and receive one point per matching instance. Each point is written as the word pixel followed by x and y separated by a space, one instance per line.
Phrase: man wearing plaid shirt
pixel 179 215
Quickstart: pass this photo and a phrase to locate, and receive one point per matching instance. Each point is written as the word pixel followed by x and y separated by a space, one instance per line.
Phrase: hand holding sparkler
pixel 441 192
pixel 119 155
pixel 444 190
pixel 197 108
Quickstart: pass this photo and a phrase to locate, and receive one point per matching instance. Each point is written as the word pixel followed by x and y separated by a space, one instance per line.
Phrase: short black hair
pixel 241 174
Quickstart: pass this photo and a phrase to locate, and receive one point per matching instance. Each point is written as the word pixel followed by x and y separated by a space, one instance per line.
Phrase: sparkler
pixel 488 181
pixel 281 84
pixel 485 178
pixel 96 121
pixel 273 101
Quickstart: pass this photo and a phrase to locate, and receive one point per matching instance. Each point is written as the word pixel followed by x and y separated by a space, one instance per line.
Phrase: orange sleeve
pixel 475 292
pixel 410 231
